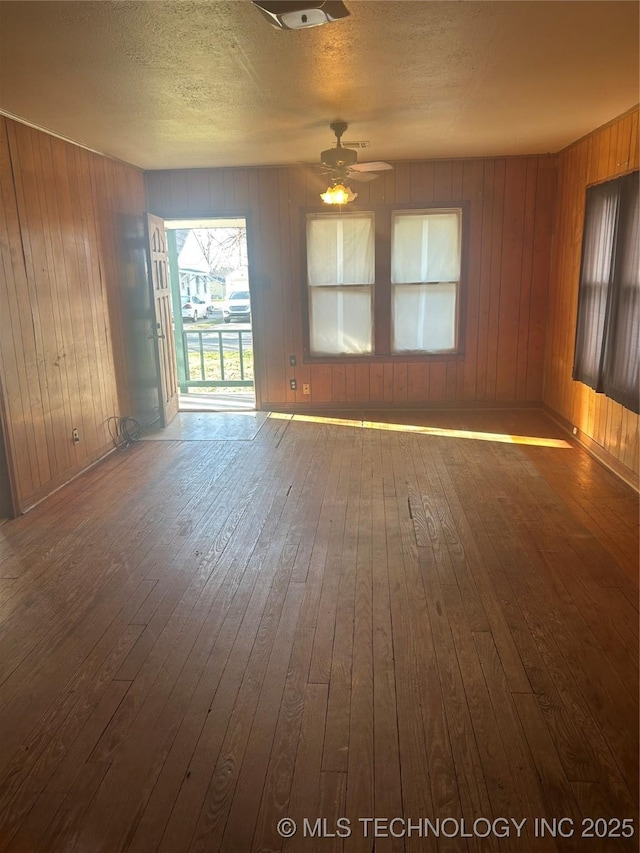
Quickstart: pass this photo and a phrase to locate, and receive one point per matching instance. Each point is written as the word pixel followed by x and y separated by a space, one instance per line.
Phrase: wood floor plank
pixel 474 797
pixel 37 756
pixel 68 818
pixel 395 615
pixel 305 524
pixel 549 590
pixel 276 792
pixel 360 767
pixel 495 535
pixel 386 750
pixel 252 714
pixel 200 724
pixel 496 765
pixel 305 792
pixel 502 699
pixel 333 794
pixel 414 766
pixel 556 788
pixel 335 754
pixel 606 510
pixel 186 583
pixel 323 647
pixel 452 560
pixel 55 774
pixel 599 643
pixel 161 694
pixel 508 652
pixel 443 781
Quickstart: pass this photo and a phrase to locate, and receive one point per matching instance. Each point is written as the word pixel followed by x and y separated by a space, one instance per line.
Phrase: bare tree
pixel 224 249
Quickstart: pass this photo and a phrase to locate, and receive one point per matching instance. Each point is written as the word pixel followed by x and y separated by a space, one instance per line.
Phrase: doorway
pixel 212 313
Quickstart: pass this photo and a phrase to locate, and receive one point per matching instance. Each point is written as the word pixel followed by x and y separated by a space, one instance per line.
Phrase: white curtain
pixel 341 320
pixel 425 271
pixel 424 317
pixel 341 272
pixel 425 247
pixel 340 250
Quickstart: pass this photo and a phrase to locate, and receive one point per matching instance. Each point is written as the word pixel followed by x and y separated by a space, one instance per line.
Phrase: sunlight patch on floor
pixel 476 435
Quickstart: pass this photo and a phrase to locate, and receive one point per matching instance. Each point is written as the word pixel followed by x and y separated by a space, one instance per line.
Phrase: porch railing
pixel 217 358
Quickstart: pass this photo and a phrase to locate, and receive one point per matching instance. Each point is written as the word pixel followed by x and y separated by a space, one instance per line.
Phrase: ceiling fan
pixel 341 162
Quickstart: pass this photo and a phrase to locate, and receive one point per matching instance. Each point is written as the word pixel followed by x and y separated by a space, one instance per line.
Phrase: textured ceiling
pixel 193 84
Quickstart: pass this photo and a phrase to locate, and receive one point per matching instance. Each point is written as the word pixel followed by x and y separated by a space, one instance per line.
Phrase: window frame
pixel 603 381
pixel 397 213
pixel 382 287
pixel 342 287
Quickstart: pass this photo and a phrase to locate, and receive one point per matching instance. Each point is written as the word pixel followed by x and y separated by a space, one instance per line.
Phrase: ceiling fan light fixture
pixel 301 14
pixel 338 194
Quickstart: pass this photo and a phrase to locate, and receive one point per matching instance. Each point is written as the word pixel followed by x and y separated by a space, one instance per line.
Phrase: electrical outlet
pixel 293 385
pixel 306 388
pixel 575 430
pixel 75 435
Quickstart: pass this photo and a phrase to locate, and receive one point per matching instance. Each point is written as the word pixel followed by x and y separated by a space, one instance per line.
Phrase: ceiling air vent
pixel 300 14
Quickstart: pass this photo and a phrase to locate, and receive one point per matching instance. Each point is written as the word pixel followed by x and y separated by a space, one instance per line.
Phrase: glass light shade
pixel 338 195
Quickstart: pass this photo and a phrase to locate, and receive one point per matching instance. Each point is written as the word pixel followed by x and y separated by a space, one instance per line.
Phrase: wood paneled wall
pixel 604 154
pixel 510 208
pixel 66 350
pixel 62 337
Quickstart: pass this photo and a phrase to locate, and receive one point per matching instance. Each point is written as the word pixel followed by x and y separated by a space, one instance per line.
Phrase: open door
pixel 161 298
pixel 9 505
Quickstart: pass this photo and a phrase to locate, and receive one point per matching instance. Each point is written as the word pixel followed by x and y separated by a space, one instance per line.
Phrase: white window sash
pixel 420 264
pixel 336 267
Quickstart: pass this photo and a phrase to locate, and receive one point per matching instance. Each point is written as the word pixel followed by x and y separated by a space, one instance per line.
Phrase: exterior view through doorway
pixel 212 318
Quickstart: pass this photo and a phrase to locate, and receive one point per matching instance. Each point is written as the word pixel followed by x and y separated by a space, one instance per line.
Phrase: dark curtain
pixel 606 350
pixel 622 355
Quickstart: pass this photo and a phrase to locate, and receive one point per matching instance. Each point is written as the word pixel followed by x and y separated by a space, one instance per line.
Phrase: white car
pixel 193 308
pixel 237 306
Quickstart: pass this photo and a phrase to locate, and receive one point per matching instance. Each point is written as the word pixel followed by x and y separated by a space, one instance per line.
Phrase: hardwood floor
pixel 339 620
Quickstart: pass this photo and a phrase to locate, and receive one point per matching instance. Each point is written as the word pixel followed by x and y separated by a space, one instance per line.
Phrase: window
pixel 340 267
pixel 425 277
pixel 384 283
pixel 608 326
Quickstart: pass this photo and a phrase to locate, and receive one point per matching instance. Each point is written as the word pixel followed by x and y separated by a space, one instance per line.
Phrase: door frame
pixel 210 219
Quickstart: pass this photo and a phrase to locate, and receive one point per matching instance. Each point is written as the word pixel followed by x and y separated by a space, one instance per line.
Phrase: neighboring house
pixel 196 277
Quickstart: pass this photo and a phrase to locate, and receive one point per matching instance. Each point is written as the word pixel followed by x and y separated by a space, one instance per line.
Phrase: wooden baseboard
pixel 595 450
pixel 353 406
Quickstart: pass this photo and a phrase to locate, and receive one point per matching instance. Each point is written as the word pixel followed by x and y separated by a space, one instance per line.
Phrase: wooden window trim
pixel 382 287
pixel 603 380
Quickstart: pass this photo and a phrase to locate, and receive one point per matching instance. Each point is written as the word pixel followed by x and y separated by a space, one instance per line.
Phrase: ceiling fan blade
pixel 318 169
pixel 373 166
pixel 362 177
